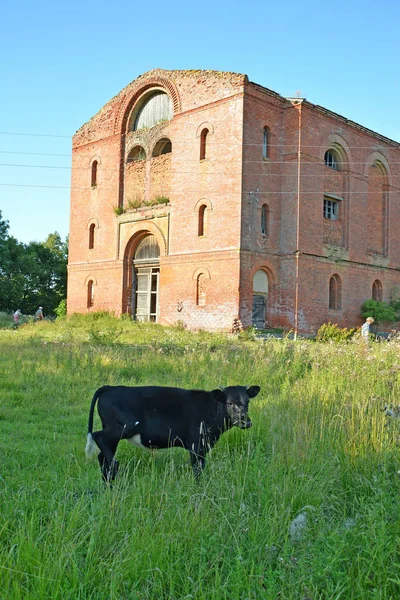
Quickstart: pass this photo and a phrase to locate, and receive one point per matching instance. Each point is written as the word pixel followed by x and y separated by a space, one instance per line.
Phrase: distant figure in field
pixel 17 315
pixel 365 329
pixel 39 314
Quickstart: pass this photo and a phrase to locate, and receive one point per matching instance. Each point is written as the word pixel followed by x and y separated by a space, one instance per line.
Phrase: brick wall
pixel 234 182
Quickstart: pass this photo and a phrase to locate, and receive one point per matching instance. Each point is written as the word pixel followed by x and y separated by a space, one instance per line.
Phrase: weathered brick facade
pixel 236 202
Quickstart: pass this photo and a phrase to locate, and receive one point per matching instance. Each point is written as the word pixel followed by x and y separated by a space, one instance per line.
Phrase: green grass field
pixel 321 446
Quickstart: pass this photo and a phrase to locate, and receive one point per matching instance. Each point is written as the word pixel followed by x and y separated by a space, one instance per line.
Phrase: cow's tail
pixel 91 448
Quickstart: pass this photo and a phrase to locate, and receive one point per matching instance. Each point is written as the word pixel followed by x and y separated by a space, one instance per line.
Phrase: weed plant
pixel 320 446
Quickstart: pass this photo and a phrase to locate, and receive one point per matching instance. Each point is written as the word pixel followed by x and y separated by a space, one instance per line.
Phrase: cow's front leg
pixel 198 460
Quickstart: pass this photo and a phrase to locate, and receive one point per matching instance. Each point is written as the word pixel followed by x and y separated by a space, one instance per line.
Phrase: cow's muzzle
pixel 245 424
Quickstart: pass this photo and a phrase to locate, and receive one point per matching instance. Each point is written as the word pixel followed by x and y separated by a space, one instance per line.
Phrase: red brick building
pixel 198 196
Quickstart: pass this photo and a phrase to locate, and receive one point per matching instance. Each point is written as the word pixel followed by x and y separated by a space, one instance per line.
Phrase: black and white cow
pixel 161 417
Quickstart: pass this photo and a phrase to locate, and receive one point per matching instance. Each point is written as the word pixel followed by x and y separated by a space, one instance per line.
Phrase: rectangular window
pixel 331 209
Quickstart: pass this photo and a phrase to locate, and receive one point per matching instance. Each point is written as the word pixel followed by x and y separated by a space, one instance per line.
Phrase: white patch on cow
pixel 91 447
pixel 137 423
pixel 201 429
pixel 136 440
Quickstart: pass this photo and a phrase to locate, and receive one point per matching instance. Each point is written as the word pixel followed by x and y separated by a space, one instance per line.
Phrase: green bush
pixel 61 309
pixel 331 332
pixel 382 312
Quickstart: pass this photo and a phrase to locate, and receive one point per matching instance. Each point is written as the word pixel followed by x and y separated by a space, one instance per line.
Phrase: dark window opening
pixel 91 236
pixel 265 143
pixel 136 154
pixel 90 294
pixel 377 290
pixel 331 160
pixel 94 174
pixel 264 219
pixel 335 293
pixel 202 220
pixel 163 146
pixel 203 144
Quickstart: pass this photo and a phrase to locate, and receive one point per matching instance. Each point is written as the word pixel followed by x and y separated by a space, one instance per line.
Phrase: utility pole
pixel 297 104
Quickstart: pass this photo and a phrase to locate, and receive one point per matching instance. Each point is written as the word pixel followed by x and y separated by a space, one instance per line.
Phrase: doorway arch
pixel 260 298
pixel 144 279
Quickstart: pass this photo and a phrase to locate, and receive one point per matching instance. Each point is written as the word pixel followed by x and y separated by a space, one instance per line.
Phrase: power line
pixel 210 193
pixel 386 144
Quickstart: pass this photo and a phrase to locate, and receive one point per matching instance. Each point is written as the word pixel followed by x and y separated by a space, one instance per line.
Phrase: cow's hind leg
pixel 107 461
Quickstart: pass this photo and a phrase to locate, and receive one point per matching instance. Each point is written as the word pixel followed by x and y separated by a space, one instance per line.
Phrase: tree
pixel 32 274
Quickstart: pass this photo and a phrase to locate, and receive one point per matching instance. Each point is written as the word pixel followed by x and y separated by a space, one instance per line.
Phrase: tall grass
pixel 320 446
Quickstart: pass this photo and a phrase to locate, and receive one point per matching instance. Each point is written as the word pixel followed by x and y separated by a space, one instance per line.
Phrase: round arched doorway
pixel 145 279
pixel 260 297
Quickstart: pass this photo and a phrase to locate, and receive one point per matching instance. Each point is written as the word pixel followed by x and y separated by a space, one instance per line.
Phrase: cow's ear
pixel 253 391
pixel 219 395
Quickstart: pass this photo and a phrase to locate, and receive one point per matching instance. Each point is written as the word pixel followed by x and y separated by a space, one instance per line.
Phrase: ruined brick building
pixel 200 197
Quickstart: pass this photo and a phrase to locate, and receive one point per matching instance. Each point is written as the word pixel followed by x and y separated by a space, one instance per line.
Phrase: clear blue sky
pixel 61 62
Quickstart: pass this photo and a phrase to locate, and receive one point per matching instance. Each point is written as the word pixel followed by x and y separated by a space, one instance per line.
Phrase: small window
pixel 265 142
pixel 377 290
pixel 201 290
pixel 335 293
pixel 264 219
pixel 202 220
pixel 203 144
pixel 331 209
pixel 94 173
pixel 90 294
pixel 91 236
pixel 331 160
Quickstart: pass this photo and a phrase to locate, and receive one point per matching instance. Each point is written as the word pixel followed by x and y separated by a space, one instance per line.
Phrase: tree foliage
pixel 382 312
pixel 32 274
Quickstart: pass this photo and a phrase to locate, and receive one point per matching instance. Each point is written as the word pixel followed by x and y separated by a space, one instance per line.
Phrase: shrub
pixel 248 334
pixel 61 309
pixel 331 332
pixel 382 312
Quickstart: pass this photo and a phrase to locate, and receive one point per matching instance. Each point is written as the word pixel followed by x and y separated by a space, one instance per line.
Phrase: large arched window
pixel 203 144
pixel 91 236
pixel 265 151
pixel 264 219
pixel 201 290
pixel 94 174
pixel 156 108
pixel 90 294
pixel 377 290
pixel 202 220
pixel 335 293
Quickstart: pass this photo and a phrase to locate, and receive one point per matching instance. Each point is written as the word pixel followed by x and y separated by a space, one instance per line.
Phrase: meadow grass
pixel 320 446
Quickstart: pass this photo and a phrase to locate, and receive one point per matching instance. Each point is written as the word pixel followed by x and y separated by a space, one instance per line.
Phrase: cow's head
pixel 235 400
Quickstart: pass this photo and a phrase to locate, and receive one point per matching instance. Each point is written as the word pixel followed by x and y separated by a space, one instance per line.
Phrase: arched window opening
pixel 265 152
pixel 332 160
pixel 91 236
pixel 203 144
pixel 157 108
pixel 260 299
pixel 147 249
pixel 90 294
pixel 335 293
pixel 163 146
pixel 377 290
pixel 136 154
pixel 94 174
pixel 201 290
pixel 264 219
pixel 202 220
